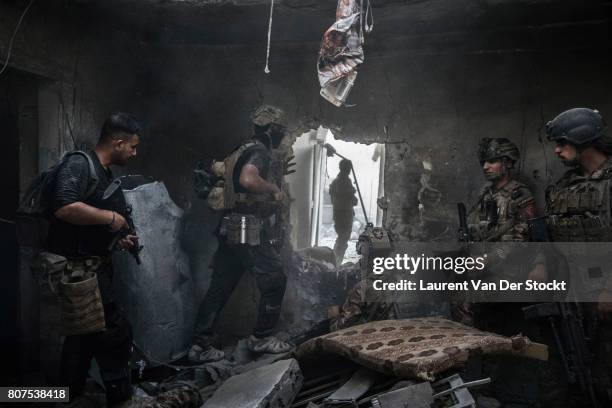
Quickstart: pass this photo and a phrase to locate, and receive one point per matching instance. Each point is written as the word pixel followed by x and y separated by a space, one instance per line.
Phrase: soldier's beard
pixel 118 159
pixel 276 138
pixel 492 176
pixel 571 162
pixel 496 176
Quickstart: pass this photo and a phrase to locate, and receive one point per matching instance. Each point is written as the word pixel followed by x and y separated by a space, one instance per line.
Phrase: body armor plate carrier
pixel 224 196
pixel 578 207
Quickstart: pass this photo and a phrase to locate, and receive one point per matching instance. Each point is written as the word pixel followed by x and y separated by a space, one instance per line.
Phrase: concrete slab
pixel 159 295
pixel 271 386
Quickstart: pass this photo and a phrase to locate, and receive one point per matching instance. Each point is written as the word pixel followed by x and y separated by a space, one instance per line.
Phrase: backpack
pixel 34 209
pixel 205 178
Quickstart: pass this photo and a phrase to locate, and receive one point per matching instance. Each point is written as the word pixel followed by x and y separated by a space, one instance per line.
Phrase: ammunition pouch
pixel 580 212
pixel 260 205
pixel 81 309
pixel 48 268
pixel 241 229
pixel 578 228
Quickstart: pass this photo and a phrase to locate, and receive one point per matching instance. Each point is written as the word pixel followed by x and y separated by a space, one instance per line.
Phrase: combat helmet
pixel 577 126
pixel 266 115
pixel 497 148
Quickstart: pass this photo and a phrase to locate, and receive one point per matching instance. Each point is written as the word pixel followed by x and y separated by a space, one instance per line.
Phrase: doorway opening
pixel 312 209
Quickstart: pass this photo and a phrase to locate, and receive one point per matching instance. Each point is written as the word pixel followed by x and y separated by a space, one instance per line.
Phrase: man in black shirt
pixel 254 192
pixel 83 225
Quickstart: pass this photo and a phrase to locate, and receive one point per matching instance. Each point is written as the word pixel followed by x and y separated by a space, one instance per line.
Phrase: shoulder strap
pixel 93 175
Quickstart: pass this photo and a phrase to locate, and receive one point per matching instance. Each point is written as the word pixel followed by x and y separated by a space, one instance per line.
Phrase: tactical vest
pixel 578 207
pixel 494 217
pixel 224 195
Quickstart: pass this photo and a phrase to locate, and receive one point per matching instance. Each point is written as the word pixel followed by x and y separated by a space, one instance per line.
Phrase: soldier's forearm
pixel 80 213
pixel 254 183
pixel 258 185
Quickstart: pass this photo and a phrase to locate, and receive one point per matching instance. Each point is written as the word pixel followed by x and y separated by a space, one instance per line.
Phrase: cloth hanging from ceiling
pixel 341 52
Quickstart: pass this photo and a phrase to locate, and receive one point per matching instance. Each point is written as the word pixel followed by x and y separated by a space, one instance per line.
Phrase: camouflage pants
pixel 231 261
pixel 356 310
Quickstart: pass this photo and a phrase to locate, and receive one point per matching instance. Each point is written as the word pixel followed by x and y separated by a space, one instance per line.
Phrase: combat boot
pixel 269 345
pixel 208 354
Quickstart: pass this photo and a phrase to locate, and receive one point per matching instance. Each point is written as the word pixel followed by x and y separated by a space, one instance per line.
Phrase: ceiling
pixel 227 22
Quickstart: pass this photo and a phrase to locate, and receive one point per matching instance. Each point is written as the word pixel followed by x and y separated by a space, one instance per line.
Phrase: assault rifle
pixel 131 230
pixel 567 323
pixel 280 168
pixel 464 230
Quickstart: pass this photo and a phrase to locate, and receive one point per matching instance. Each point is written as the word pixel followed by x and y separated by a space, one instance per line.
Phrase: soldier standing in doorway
pixel 343 200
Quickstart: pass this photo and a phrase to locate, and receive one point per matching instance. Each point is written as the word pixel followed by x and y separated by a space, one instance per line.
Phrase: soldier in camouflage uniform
pixel 356 310
pixel 578 209
pixel 504 204
pixel 499 215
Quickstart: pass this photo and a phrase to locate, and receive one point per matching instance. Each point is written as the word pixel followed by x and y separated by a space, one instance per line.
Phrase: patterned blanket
pixel 418 348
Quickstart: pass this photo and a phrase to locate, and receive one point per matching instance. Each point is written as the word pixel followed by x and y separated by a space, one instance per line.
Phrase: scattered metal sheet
pixel 359 383
pixel 414 396
pixel 454 392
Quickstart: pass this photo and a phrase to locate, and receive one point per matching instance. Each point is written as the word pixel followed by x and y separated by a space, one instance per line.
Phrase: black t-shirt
pixel 71 186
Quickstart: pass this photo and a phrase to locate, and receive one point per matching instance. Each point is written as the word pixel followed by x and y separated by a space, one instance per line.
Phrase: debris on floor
pixel 271 386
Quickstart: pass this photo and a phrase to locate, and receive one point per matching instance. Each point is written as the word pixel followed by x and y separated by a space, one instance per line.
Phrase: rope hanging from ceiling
pixel 267 69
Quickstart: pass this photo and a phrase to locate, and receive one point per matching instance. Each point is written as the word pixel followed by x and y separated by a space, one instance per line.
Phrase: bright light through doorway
pixel 367 163
pixel 312 212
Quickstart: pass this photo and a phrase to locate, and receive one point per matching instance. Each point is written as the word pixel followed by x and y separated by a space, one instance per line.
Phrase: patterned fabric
pixel 341 50
pixel 181 397
pixel 417 348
